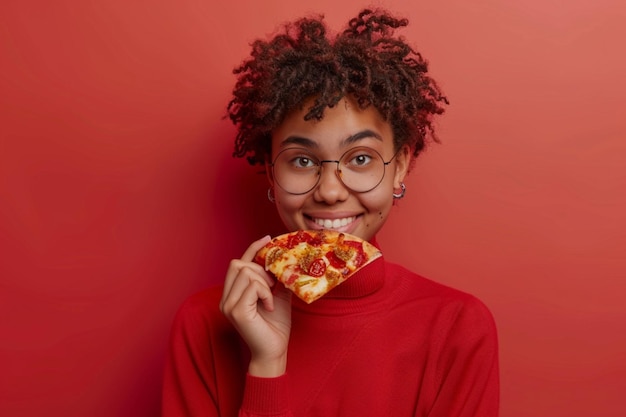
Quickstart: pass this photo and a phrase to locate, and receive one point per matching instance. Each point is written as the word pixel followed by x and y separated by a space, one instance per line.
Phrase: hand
pixel 261 316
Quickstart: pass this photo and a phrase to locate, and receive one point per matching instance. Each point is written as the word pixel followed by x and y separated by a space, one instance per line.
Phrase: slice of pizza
pixel 312 262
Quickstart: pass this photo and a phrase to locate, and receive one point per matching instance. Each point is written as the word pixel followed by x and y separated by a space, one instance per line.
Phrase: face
pixel 330 204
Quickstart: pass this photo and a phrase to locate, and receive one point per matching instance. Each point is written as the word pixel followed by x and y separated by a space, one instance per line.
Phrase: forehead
pixel 342 126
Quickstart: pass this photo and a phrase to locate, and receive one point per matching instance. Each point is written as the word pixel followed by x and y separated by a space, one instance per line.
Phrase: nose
pixel 330 189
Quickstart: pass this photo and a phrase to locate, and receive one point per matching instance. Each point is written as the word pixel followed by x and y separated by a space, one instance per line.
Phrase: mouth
pixel 334 223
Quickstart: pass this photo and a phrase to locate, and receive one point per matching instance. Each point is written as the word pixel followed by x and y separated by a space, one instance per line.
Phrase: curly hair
pixel 365 61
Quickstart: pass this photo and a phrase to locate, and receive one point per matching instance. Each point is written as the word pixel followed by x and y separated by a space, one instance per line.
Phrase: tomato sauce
pixel 302 236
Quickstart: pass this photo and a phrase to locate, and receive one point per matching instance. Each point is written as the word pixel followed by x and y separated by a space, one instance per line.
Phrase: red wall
pixel 118 196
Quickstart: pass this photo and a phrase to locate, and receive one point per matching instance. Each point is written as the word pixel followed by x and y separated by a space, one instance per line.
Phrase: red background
pixel 118 196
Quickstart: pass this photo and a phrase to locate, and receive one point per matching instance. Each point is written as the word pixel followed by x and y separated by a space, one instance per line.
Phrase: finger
pixel 247 276
pixel 254 248
pixel 257 292
pixel 242 310
pixel 248 257
pixel 239 268
pixel 236 265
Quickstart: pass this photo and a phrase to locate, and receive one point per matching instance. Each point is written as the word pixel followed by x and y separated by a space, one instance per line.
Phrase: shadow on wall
pixel 243 210
pixel 225 203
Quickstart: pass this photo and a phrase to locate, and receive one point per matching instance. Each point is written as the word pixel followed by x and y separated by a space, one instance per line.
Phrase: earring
pixel 402 193
pixel 270 197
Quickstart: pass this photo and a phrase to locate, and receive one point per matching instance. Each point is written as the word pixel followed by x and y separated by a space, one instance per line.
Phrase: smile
pixel 334 223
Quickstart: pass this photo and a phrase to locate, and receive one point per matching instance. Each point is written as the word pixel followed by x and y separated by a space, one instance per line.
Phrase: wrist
pixel 268 368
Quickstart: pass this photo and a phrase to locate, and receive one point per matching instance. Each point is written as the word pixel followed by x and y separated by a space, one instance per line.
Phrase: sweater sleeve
pixel 468 375
pixel 205 370
pixel 188 386
pixel 266 397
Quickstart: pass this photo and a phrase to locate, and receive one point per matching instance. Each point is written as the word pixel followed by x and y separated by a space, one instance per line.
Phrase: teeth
pixel 334 224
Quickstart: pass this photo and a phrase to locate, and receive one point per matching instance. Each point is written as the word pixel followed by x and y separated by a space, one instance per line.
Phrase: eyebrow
pixel 310 143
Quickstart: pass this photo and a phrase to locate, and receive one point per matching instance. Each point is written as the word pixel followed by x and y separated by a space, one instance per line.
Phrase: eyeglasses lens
pixel 297 171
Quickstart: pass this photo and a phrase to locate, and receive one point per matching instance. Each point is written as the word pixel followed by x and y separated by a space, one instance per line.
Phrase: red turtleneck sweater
pixel 387 342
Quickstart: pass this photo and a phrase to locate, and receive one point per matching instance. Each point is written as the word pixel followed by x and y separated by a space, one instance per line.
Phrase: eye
pixel 303 162
pixel 360 160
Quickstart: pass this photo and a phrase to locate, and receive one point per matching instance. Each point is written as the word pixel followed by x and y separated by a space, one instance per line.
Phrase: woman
pixel 387 342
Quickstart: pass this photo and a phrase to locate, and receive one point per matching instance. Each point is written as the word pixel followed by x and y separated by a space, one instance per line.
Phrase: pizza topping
pixel 334 260
pixel 360 257
pixel 333 277
pixel 302 236
pixel 291 279
pixel 344 252
pixel 273 255
pixel 312 262
pixel 303 282
pixel 317 268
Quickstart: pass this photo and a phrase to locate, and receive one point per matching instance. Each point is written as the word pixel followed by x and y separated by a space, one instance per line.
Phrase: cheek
pixel 378 205
pixel 380 199
pixel 287 205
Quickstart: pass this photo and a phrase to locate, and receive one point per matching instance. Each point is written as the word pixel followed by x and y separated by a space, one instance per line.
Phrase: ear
pixel 403 160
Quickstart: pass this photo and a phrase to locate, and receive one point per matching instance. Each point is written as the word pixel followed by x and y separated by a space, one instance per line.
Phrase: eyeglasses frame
pixel 337 170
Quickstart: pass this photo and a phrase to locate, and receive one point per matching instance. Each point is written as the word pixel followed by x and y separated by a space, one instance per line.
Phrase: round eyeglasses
pixel 298 171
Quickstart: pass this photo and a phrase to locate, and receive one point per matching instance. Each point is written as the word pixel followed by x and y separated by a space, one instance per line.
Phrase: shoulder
pixel 200 313
pixel 449 305
pixel 204 300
